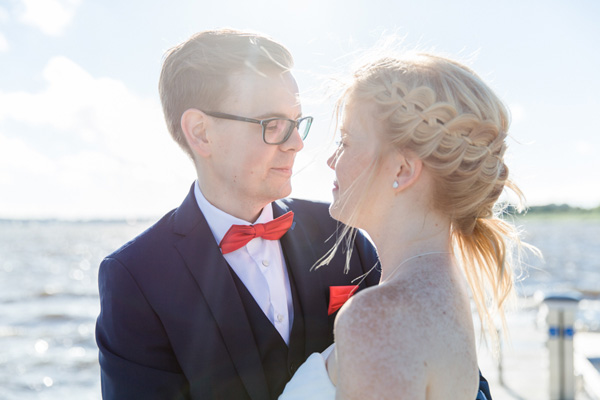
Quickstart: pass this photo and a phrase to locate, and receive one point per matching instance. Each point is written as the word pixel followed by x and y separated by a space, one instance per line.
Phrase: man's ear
pixel 408 171
pixel 194 124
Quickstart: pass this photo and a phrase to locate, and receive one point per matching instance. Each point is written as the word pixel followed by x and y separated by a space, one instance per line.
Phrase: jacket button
pixel 293 368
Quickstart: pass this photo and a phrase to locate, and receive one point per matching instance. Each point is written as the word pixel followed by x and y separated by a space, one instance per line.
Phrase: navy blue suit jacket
pixel 172 325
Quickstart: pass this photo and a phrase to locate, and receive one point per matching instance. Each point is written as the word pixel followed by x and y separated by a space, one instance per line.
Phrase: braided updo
pixel 443 112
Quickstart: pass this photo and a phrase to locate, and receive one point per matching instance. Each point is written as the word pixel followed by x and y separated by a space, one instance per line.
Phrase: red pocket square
pixel 338 295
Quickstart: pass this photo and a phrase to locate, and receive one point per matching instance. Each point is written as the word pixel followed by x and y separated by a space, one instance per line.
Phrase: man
pixel 201 305
pixel 184 313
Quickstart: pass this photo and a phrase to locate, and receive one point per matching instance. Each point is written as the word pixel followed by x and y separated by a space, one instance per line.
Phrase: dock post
pixel 499 362
pixel 560 313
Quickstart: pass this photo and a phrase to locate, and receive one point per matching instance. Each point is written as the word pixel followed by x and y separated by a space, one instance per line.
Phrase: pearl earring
pixel 395 185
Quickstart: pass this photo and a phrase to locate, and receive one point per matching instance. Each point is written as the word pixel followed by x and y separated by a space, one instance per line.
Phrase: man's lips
pixel 284 170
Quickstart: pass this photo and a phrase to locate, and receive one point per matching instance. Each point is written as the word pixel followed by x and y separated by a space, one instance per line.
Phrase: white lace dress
pixel 311 381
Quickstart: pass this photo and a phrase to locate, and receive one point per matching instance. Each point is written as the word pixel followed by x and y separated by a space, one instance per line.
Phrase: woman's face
pixel 353 162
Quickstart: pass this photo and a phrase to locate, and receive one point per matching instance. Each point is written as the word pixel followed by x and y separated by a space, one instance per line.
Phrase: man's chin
pixel 282 193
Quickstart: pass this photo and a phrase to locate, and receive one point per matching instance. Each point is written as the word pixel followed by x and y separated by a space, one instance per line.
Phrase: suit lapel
pixel 300 254
pixel 211 272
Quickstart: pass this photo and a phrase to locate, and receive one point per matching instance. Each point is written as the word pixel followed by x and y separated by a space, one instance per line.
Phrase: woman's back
pixel 411 337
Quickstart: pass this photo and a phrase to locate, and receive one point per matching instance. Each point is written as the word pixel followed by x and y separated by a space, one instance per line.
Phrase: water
pixel 49 296
pixel 48 306
pixel 571 250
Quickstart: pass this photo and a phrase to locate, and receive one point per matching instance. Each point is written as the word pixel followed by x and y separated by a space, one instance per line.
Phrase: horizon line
pixel 549 208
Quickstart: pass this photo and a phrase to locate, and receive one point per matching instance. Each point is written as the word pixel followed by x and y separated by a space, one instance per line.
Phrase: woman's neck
pixel 401 237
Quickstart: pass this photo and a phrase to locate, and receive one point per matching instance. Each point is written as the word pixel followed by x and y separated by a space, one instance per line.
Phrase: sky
pixel 81 129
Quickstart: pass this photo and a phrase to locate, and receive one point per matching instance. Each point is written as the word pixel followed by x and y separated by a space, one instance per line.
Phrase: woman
pixel 420 168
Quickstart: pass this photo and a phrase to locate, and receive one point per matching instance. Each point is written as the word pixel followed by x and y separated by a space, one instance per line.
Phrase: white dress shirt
pixel 260 265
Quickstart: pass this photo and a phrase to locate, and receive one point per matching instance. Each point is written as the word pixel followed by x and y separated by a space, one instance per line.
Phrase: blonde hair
pixel 197 73
pixel 442 111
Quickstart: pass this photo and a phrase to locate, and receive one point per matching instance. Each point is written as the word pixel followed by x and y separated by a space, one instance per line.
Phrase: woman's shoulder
pixel 393 322
pixel 419 297
pixel 408 330
pixel 376 350
pixel 383 309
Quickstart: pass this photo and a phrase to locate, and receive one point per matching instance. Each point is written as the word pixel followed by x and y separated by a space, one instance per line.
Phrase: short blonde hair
pixel 197 73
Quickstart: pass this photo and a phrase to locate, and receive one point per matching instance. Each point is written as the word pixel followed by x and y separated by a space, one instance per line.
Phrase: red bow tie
pixel 239 235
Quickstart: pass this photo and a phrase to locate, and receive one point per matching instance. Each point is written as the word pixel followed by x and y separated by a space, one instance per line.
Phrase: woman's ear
pixel 194 125
pixel 408 171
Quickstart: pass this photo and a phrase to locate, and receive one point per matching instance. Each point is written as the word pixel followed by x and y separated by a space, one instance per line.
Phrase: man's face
pixel 244 169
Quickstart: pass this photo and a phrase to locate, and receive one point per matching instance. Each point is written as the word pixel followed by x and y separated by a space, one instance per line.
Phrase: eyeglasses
pixel 274 130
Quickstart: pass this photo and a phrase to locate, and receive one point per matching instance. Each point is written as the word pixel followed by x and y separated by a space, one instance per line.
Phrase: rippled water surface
pixel 48 306
pixel 49 296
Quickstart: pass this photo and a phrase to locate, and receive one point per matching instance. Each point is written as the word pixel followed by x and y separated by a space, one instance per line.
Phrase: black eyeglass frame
pixel 264 122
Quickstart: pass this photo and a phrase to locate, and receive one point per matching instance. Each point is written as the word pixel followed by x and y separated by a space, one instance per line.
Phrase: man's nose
pixel 294 142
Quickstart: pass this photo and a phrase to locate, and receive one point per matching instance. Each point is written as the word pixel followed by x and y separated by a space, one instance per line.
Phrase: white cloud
pixel 110 152
pixel 517 112
pixel 18 158
pixel 50 16
pixel 3 14
pixel 3 43
pixel 98 111
pixel 584 148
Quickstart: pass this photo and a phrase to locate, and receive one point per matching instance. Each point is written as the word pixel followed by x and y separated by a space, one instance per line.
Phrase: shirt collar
pixel 219 221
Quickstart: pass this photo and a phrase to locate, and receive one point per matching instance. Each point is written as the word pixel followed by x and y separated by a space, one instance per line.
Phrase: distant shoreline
pixel 549 210
pixel 558 211
pixel 562 209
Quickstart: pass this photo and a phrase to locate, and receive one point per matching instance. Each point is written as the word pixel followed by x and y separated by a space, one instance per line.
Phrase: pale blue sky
pixel 81 130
